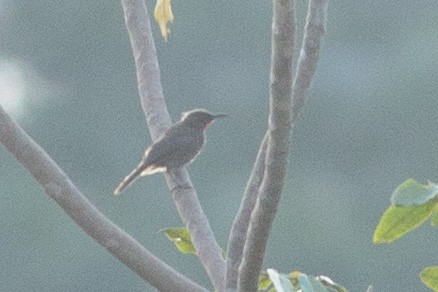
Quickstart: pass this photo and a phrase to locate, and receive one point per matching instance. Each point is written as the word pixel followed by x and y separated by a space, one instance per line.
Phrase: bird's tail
pixel 128 180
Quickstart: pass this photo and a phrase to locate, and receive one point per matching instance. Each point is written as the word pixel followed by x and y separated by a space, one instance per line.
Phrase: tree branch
pixel 309 54
pixel 147 69
pixel 239 229
pixel 152 100
pixel 279 123
pixel 59 187
pixel 280 98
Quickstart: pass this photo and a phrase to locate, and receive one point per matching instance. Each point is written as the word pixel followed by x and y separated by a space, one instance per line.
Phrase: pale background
pixel 67 76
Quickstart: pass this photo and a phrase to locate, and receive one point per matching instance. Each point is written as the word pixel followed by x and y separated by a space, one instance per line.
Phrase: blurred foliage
pixel 273 281
pixel 412 204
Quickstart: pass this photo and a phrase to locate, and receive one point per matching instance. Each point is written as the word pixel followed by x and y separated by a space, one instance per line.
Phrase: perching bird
pixel 178 146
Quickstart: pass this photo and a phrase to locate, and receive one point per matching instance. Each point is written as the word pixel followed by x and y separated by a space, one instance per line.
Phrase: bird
pixel 178 146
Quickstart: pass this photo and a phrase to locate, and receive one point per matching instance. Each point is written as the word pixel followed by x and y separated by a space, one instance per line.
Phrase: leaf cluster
pixel 412 204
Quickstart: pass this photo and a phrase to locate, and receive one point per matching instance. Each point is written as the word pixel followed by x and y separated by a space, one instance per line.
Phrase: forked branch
pixel 285 106
pixel 59 187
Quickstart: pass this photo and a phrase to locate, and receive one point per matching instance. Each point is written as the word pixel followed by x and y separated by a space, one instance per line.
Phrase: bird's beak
pixel 218 116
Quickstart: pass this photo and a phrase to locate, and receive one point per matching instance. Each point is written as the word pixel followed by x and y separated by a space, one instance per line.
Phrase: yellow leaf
pixel 163 15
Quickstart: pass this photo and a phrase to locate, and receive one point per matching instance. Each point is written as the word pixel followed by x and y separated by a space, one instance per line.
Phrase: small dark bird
pixel 178 146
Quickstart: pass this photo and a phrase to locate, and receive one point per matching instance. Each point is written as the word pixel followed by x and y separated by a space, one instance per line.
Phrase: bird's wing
pixel 177 147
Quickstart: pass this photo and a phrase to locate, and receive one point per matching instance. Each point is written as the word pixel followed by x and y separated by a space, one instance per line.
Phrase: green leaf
pixel 310 284
pixel 304 283
pixel 293 276
pixel 398 220
pixel 411 193
pixel 429 276
pixel 181 238
pixel 264 281
pixel 281 281
pixel 435 220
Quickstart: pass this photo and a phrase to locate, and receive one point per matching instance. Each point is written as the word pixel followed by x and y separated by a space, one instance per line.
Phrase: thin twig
pixel 152 100
pixel 59 187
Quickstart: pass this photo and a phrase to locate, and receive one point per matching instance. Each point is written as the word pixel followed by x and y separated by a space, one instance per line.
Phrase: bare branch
pixel 146 63
pixel 279 122
pixel 152 99
pixel 241 222
pixel 59 187
pixel 190 211
pixel 309 54
pixel 278 145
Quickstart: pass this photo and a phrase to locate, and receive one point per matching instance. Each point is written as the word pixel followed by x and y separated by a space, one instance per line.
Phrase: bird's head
pixel 199 118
